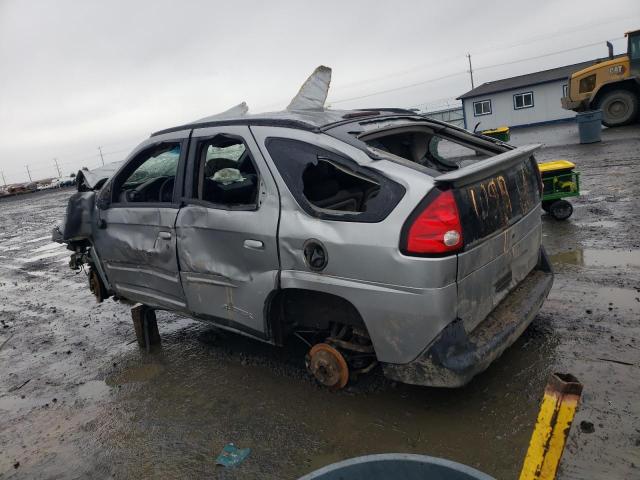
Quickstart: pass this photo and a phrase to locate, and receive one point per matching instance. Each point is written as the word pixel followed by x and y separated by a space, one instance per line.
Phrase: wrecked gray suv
pixel 376 236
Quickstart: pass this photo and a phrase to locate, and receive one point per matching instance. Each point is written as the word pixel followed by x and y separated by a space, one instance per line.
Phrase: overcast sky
pixel 75 75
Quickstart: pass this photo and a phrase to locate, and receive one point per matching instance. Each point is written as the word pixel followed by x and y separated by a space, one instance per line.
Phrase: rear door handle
pixel 164 235
pixel 254 244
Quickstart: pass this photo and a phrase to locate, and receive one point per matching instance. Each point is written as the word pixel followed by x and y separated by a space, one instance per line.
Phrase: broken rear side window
pixel 328 185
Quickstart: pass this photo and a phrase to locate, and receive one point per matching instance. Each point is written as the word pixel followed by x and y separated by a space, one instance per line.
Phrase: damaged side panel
pixel 138 248
pixel 227 239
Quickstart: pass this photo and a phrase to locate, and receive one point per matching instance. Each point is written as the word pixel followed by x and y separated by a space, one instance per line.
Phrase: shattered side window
pixel 159 165
pixel 153 179
pixel 328 185
pixel 227 174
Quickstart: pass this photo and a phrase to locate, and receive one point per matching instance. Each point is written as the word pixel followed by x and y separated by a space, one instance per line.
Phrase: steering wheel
pixel 146 191
pixel 166 185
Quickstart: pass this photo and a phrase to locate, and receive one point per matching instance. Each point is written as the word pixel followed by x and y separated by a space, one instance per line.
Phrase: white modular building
pixel 524 100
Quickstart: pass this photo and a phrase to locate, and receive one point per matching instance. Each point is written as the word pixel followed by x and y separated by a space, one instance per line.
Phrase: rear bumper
pixel 455 357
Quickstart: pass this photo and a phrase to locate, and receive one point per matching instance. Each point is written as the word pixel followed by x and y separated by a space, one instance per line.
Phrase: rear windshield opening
pixel 331 187
pixel 427 149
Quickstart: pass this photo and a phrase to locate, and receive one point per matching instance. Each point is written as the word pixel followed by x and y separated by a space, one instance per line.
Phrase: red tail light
pixel 436 229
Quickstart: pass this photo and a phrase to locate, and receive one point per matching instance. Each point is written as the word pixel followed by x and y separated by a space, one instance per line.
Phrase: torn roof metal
pixel 313 92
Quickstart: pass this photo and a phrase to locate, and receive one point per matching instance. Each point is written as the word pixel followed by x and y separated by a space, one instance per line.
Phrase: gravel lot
pixel 78 399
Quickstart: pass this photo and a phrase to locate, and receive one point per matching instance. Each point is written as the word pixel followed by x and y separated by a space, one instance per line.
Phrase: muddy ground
pixel 78 399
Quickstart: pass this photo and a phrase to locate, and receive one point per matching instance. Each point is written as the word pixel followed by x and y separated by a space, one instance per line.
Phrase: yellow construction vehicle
pixel 612 86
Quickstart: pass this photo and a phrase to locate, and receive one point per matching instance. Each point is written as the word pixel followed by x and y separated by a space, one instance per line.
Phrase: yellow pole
pixel 559 405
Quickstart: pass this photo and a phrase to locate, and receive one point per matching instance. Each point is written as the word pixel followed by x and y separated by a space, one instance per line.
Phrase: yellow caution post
pixel 559 405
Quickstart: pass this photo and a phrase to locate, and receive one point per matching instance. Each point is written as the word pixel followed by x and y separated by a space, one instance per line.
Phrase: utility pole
pixel 57 167
pixel 3 179
pixel 100 150
pixel 29 173
pixel 470 70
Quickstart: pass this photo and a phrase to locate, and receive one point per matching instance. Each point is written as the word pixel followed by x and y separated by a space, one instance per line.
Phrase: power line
pixel 380 92
pixel 488 48
pixel 545 55
pixel 412 85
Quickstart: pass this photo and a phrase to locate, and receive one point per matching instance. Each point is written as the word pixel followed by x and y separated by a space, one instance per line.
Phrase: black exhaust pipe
pixel 610 47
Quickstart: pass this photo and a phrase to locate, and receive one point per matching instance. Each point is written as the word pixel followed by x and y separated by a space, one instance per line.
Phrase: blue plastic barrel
pixel 401 466
pixel 590 126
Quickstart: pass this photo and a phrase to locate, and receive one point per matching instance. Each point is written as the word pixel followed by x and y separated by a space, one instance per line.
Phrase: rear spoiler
pixel 486 168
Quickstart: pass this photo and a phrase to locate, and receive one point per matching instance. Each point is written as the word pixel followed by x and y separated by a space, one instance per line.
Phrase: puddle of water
pixel 620 297
pixel 42 256
pixel 14 403
pixel 93 390
pixel 600 224
pixel 48 246
pixel 39 239
pixel 210 400
pixel 135 373
pixel 591 257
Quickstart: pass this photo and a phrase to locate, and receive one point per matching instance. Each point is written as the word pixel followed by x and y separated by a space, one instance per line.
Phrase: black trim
pixel 482 114
pixel 219 206
pixel 404 233
pixel 524 106
pixel 145 205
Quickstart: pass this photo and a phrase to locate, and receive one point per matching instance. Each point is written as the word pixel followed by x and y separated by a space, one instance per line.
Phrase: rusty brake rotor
pixel 328 366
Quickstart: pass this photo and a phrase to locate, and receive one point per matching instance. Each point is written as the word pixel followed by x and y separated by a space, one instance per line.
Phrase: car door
pixel 227 230
pixel 135 236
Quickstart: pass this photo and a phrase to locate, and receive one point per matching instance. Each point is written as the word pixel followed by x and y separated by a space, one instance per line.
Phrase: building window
pixel 522 100
pixel 483 107
pixel 565 91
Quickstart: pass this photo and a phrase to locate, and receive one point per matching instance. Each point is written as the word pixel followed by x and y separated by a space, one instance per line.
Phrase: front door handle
pixel 254 244
pixel 164 235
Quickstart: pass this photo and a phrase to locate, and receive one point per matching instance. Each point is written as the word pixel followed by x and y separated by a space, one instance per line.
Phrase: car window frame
pixel 194 169
pixel 127 170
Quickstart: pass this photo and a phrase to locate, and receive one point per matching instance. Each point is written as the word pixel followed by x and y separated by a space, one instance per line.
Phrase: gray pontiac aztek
pixel 375 236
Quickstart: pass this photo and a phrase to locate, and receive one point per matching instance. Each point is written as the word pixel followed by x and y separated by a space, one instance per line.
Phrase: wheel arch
pixel 289 308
